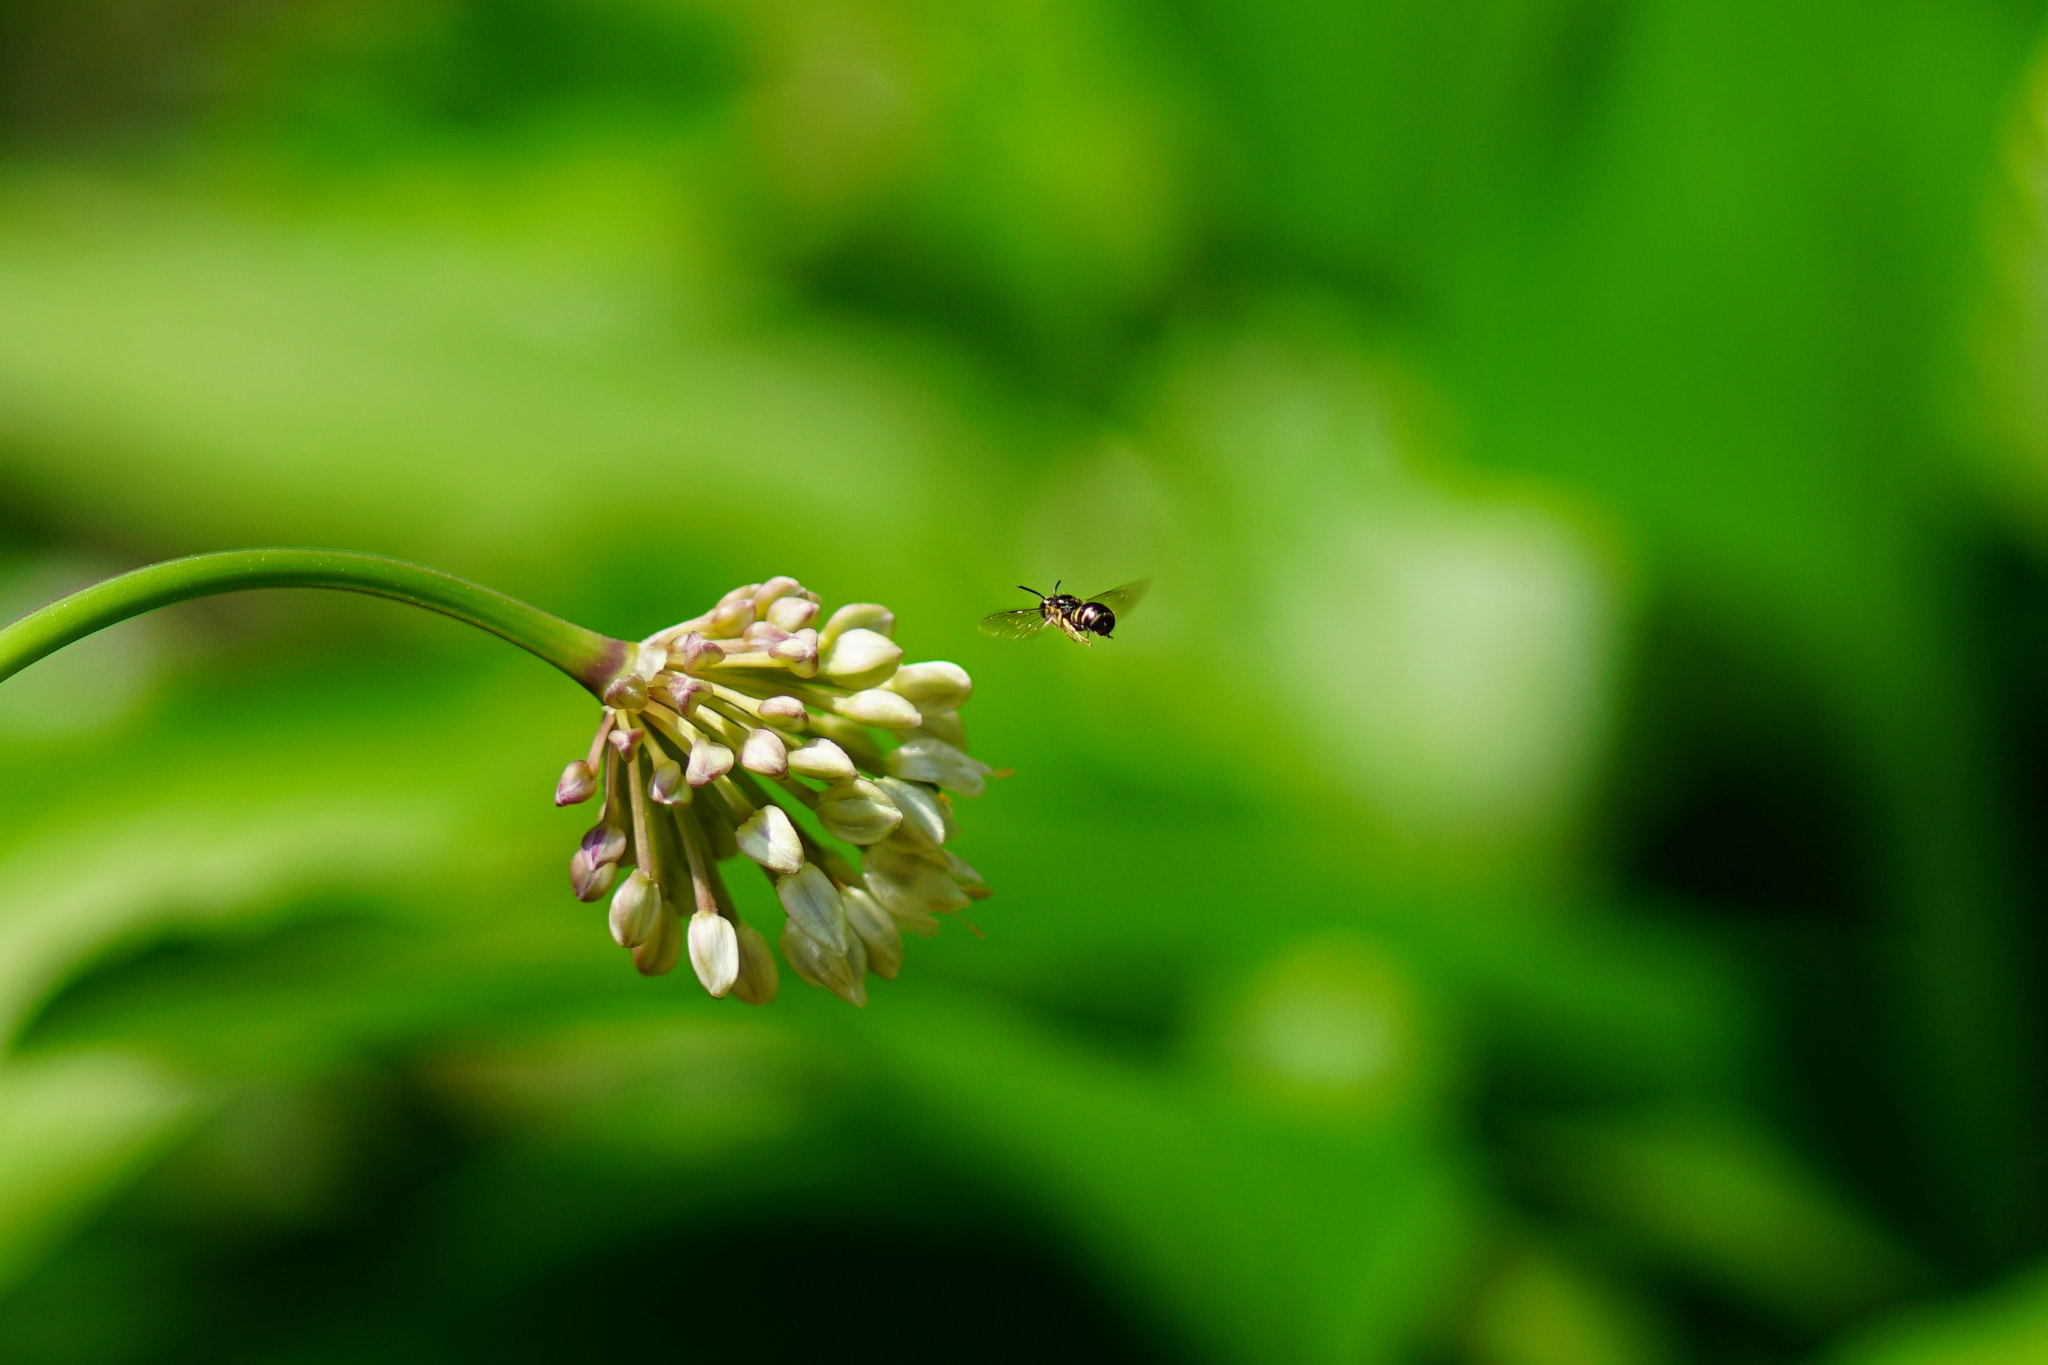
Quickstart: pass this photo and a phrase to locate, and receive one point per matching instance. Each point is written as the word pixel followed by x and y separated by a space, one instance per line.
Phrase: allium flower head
pixel 755 732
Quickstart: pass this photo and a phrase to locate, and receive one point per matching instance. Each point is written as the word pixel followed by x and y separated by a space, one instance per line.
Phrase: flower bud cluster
pixel 732 736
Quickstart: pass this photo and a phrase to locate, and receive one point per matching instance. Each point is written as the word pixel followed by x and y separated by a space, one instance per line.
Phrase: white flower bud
pixel 771 840
pixel 792 613
pixel 935 687
pixel 860 658
pixel 714 951
pixel 872 925
pixel 664 947
pixel 814 906
pixel 764 753
pixel 944 726
pixel 876 707
pixel 924 817
pixel 909 886
pixel 758 978
pixel 819 965
pixel 850 736
pixel 708 763
pixel 578 784
pixel 763 636
pixel 924 759
pixel 856 616
pixel 823 760
pixel 746 590
pixel 666 786
pixel 858 812
pixel 636 910
pixel 784 713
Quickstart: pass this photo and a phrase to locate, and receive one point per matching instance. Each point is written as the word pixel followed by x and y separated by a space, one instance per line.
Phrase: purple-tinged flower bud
pixel 684 693
pixel 858 812
pixel 774 590
pixel 729 618
pixel 763 635
pixel 636 910
pixel 664 947
pixel 814 907
pixel 823 760
pixel 578 784
pixel 596 861
pixel 784 713
pixel 800 652
pixel 628 693
pixel 856 616
pixel 708 763
pixel 936 686
pixel 924 759
pixel 860 658
pixel 924 819
pixel 758 979
pixel 771 840
pixel 764 753
pixel 700 653
pixel 667 786
pixel 792 613
pixel 714 951
pixel 879 708
pixel 820 966
pixel 626 739
pixel 876 931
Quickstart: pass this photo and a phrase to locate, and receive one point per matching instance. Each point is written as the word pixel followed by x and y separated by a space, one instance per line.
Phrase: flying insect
pixel 1077 619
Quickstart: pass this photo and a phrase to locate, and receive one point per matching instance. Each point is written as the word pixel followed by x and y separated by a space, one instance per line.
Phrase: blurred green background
pixel 1552 877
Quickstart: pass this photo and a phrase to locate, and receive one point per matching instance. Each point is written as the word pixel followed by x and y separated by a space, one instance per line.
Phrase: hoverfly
pixel 1096 616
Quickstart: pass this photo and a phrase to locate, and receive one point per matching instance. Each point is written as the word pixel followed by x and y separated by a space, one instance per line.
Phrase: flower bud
pixel 814 906
pixel 944 726
pixel 792 613
pixel 909 886
pixel 784 713
pixel 858 812
pixel 860 658
pixel 800 652
pixel 667 786
pixel 771 840
pixel 821 966
pixel 714 951
pixel 596 861
pixel 924 819
pixel 700 653
pixel 924 759
pixel 636 910
pixel 774 590
pixel 823 760
pixel 758 978
pixel 856 616
pixel 578 784
pixel 872 925
pixel 850 736
pixel 744 590
pixel 764 753
pixel 708 763
pixel 763 636
pixel 628 693
pixel 876 707
pixel 936 686
pixel 728 619
pixel 626 739
pixel 664 947
pixel 684 693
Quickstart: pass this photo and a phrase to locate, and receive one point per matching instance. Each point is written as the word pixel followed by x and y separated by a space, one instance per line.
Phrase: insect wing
pixel 1124 600
pixel 1014 625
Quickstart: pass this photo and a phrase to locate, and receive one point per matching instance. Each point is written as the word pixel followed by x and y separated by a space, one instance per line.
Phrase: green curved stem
pixel 588 657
